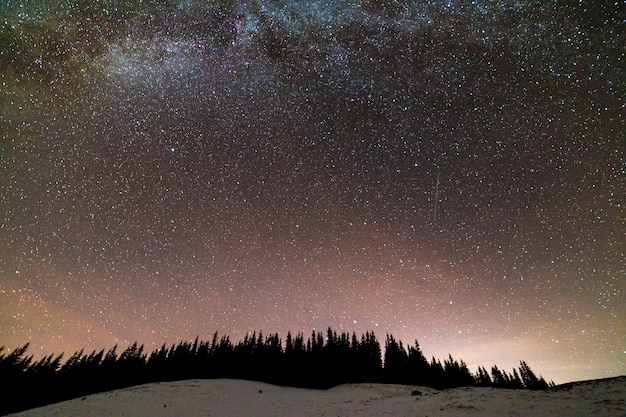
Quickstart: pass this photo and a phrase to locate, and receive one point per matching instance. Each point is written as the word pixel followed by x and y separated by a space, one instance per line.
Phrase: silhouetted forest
pixel 321 361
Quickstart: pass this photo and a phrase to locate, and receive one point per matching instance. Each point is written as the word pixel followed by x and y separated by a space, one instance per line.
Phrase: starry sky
pixel 447 171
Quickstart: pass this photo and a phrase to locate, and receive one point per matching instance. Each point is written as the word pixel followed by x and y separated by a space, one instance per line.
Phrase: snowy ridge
pixel 229 397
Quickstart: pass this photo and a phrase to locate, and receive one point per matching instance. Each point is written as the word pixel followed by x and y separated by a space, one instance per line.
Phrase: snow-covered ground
pixel 227 397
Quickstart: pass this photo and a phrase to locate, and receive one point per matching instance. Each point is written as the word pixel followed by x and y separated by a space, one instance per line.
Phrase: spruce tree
pixel 395 361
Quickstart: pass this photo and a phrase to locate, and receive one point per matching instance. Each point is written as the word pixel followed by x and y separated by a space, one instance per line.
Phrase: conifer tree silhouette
pixel 529 379
pixel 417 365
pixel 395 362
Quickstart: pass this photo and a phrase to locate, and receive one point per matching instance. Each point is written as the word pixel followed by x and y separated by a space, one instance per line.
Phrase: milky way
pixel 449 172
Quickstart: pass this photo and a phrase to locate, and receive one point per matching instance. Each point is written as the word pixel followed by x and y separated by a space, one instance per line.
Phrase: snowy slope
pixel 227 397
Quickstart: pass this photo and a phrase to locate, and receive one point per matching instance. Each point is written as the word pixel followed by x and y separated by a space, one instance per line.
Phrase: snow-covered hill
pixel 227 397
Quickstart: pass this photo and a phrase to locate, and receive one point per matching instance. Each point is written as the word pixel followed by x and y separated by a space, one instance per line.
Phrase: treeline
pixel 410 366
pixel 321 361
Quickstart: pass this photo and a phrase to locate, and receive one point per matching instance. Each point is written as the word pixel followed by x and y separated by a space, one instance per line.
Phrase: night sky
pixel 452 172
